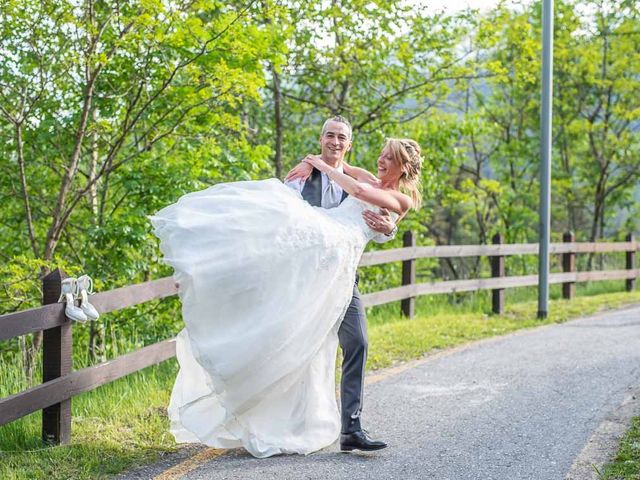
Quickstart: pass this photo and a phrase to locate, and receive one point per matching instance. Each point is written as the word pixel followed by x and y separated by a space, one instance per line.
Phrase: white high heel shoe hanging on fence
pixel 68 289
pixel 84 289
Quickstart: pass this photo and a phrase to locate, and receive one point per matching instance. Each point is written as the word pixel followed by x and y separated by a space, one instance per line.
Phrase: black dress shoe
pixel 359 441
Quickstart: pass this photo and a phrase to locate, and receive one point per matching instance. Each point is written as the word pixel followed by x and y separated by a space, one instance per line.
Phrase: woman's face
pixel 387 167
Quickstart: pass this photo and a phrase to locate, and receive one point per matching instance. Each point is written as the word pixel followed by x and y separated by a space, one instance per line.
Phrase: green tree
pixel 109 110
pixel 381 64
pixel 598 101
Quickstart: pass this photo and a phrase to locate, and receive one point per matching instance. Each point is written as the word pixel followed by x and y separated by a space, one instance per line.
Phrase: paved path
pixel 521 406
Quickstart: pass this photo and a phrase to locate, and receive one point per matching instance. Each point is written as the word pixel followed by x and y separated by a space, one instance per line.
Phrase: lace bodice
pixel 349 213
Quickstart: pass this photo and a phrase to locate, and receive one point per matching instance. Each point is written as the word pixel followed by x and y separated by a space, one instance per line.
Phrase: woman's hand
pixel 302 171
pixel 316 162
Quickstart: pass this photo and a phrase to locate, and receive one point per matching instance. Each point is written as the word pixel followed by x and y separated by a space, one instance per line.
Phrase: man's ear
pixel 349 146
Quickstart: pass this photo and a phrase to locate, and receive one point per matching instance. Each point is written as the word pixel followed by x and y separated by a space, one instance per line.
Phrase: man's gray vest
pixel 312 190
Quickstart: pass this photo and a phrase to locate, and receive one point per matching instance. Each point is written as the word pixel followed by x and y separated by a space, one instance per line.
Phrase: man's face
pixel 335 142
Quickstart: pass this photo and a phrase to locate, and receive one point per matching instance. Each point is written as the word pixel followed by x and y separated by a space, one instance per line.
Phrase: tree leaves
pixel 111 110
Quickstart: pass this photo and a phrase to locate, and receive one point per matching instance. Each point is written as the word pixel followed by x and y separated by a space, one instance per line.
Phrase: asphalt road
pixel 521 406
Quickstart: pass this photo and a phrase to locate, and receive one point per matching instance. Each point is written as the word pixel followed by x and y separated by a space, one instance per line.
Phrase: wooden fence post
pixel 56 362
pixel 631 264
pixel 568 265
pixel 497 270
pixel 408 305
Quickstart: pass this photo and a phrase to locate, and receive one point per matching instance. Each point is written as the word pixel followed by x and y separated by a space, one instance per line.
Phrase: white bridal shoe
pixel 68 289
pixel 84 289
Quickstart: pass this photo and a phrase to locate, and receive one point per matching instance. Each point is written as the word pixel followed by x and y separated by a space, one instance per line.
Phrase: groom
pixel 319 191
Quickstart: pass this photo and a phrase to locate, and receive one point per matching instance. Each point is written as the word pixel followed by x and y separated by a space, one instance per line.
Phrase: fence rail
pixel 457 286
pixel 62 388
pixel 459 251
pixel 60 384
pixel 52 315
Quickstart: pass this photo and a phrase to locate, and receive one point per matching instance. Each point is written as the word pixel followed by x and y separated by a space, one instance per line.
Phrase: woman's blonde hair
pixel 407 154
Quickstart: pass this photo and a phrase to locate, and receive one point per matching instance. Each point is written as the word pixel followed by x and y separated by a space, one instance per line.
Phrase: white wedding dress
pixel 265 279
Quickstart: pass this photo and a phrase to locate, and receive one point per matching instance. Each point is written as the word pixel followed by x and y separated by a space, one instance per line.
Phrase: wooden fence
pixel 498 281
pixel 61 384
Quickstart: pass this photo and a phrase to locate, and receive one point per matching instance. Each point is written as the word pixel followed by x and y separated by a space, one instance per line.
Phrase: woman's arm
pixel 361 175
pixel 303 170
pixel 392 200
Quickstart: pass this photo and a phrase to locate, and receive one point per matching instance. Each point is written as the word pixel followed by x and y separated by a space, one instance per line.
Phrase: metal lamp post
pixel 545 158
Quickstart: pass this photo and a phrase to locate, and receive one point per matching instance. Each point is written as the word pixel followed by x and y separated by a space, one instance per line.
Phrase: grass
pixel 626 464
pixel 124 424
pixel 114 427
pixel 402 339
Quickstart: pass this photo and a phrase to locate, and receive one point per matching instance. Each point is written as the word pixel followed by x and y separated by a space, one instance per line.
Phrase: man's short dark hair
pixel 340 119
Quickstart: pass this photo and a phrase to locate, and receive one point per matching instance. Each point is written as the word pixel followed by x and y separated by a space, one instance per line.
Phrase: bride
pixel 265 279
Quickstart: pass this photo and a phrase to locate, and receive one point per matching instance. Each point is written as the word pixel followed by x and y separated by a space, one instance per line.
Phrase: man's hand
pixel 301 171
pixel 379 222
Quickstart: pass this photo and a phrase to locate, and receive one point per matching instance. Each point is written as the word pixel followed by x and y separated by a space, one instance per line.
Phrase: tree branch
pixel 25 191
